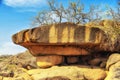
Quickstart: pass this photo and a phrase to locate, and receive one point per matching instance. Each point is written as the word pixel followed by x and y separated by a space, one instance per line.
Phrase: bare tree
pixel 93 14
pixel 75 12
pixel 40 19
pixel 58 9
pixel 58 13
pixel 43 18
pixel 114 14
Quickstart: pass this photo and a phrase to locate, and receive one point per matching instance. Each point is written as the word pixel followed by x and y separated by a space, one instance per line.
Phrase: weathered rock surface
pixel 14 67
pixel 48 61
pixel 67 39
pixel 19 74
pixel 97 62
pixel 56 78
pixel 71 43
pixel 22 60
pixel 113 59
pixel 72 59
pixel 1 77
pixel 67 73
pixel 113 65
pixel 95 74
pixel 38 50
pixel 63 39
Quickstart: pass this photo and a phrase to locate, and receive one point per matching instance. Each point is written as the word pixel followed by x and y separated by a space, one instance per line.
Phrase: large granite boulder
pixel 63 39
pixel 113 65
pixel 66 39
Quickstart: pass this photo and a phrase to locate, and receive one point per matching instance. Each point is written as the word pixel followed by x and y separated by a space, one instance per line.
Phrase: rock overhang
pixel 63 39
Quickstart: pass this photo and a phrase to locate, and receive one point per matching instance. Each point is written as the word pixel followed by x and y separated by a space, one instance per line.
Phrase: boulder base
pixel 48 61
pixel 72 59
pixel 65 50
pixel 114 58
pixel 113 65
pixel 67 73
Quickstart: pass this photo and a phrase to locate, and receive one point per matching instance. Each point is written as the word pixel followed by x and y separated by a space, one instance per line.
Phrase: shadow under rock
pixel 56 78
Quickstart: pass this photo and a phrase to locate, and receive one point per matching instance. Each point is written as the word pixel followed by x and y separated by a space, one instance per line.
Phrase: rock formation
pixel 60 39
pixel 69 72
pixel 113 66
pixel 51 43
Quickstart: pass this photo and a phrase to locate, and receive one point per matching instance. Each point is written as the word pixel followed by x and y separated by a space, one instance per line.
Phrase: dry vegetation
pixel 75 12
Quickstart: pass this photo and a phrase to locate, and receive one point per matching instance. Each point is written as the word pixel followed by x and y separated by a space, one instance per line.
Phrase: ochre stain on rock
pixel 87 34
pixel 71 38
pixel 65 35
pixel 56 33
pixel 27 36
pixel 53 35
pixel 98 38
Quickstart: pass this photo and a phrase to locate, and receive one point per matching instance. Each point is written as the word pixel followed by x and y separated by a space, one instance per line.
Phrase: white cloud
pixel 27 10
pixel 9 48
pixel 24 3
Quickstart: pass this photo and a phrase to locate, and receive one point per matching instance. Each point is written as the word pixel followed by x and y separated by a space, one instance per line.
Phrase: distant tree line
pixel 75 12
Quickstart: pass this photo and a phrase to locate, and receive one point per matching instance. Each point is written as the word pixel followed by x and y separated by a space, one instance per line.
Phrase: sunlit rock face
pixel 64 39
pixel 68 42
pixel 113 66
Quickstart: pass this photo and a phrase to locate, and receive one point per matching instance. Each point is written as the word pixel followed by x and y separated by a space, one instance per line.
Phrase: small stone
pixel 95 62
pixel 48 61
pixel 72 59
pixel 1 77
pixel 103 64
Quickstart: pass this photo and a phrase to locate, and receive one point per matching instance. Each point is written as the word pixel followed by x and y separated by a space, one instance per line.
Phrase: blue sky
pixel 16 15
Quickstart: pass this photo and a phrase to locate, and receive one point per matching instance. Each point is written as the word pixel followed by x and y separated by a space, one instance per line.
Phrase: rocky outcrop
pixel 113 59
pixel 15 67
pixel 67 73
pixel 10 70
pixel 113 65
pixel 59 73
pixel 65 42
pixel 62 39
